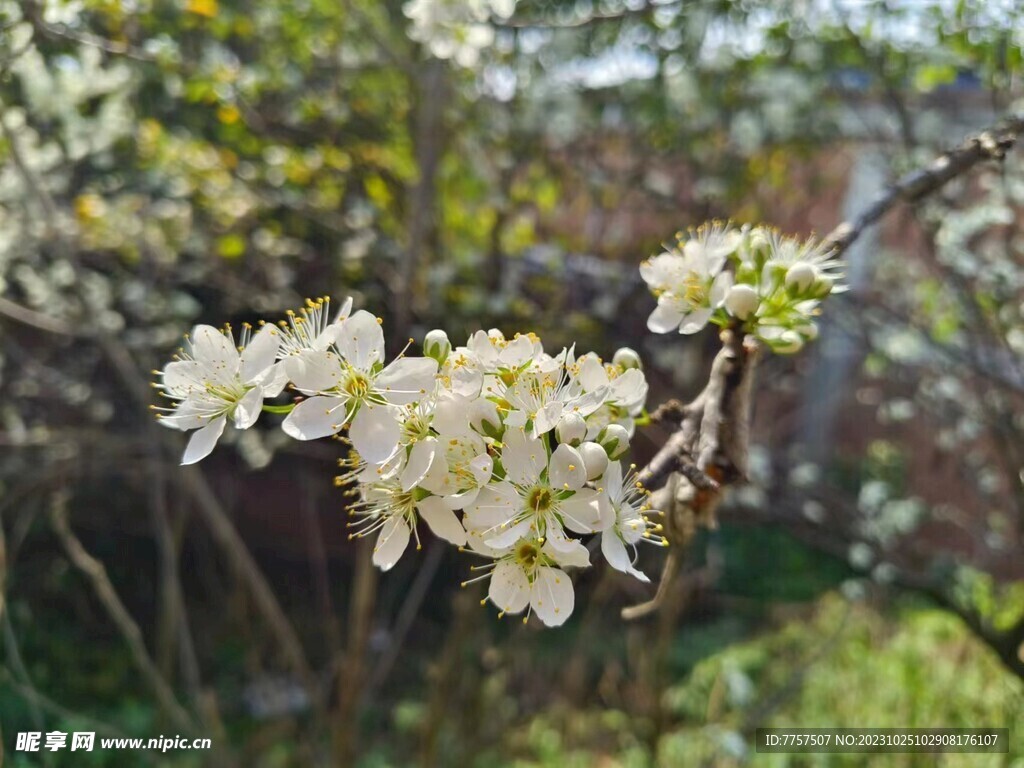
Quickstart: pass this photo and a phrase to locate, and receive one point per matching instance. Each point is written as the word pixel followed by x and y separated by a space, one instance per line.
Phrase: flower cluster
pixel 768 284
pixel 497 446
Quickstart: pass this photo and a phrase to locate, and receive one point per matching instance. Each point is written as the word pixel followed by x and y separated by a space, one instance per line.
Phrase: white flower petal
pixel 477 544
pixel 696 320
pixel 501 538
pixel 374 432
pixel 516 419
pixel 344 312
pixel 202 442
pixel 509 588
pixel 361 340
pixel 407 379
pixel 315 417
pixel 464 380
pixel 421 458
pixel 582 512
pixel 437 480
pixel 615 552
pixel 391 542
pixel 248 408
pixel 567 469
pixel 595 459
pixel 189 414
pixel 719 288
pixel 565 550
pixel 664 318
pixel 313 372
pixel 605 511
pixel 442 520
pixel 214 350
pixel 482 467
pixel 552 596
pixel 547 417
pixel 592 374
pixel 451 415
pixel 388 469
pixel 495 504
pixel 630 389
pixel 461 500
pixel 612 480
pixel 523 457
pixel 273 380
pixel 183 377
pixel 516 353
pixel 259 354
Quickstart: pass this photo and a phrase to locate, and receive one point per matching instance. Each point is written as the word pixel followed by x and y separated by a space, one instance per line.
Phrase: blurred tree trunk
pixel 351 671
pixel 428 141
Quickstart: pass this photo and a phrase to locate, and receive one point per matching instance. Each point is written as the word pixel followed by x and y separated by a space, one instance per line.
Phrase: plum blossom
pixel 528 575
pixel 540 496
pixel 348 384
pixel 753 278
pixel 631 526
pixel 495 445
pixel 689 280
pixel 214 381
pixel 390 510
pixel 540 398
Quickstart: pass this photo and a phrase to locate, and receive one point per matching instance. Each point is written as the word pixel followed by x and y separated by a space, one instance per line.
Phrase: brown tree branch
pixel 991 144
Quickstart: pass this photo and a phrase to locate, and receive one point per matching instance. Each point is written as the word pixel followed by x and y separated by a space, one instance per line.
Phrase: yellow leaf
pixel 228 114
pixel 207 8
pixel 89 206
pixel 231 246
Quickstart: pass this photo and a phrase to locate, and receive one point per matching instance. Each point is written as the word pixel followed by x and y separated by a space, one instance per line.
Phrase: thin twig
pixel 19 670
pixel 34 15
pixel 991 144
pixel 45 703
pixel 414 597
pixel 93 570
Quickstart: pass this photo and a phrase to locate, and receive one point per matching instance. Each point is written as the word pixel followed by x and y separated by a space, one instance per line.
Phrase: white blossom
pixel 540 496
pixel 619 540
pixel 496 444
pixel 213 381
pixel 390 510
pixel 689 279
pixel 348 384
pixel 528 575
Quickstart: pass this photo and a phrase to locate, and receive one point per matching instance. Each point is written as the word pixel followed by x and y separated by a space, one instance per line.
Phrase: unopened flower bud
pixel 571 429
pixel 627 358
pixel 742 300
pixel 595 459
pixel 437 346
pixel 800 277
pixel 614 439
pixel 484 417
